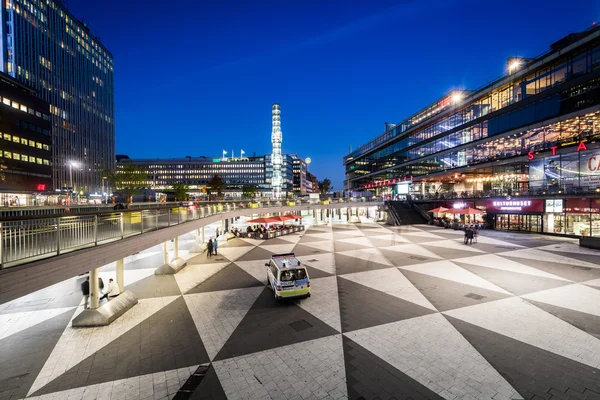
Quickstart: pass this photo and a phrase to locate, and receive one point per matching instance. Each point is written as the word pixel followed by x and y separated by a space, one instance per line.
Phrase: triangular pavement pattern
pixel 19 321
pixel 256 269
pixel 453 245
pixel 572 272
pixel 514 282
pixel 400 259
pixel 306 251
pixel 429 350
pixel 391 281
pixel 534 254
pixel 543 375
pixel 217 314
pixel 445 269
pixel 593 283
pixel 256 253
pixel 155 286
pixel 387 240
pixel 291 238
pixel 346 264
pixel 355 241
pixel 326 245
pixel 68 350
pixel 274 241
pixel 368 376
pixel 570 248
pixel 305 239
pixel 586 322
pixel 279 248
pixel 22 354
pixel 170 341
pixel 448 295
pixel 325 262
pixel 322 236
pixel 310 369
pixel 370 254
pixel 230 277
pixel 315 273
pixel 270 324
pixel 324 301
pixel 422 234
pixel 233 253
pixel 504 264
pixel 362 307
pixel 210 388
pixel 574 297
pixel 192 275
pixel 508 317
pixel 411 249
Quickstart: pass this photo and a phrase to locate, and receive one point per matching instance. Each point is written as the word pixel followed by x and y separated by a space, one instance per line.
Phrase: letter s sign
pixel 530 156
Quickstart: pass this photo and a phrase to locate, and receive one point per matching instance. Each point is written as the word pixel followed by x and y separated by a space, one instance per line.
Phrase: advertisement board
pixel 514 206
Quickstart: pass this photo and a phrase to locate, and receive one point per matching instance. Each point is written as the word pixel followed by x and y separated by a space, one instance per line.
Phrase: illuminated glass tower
pixel 45 47
pixel 276 160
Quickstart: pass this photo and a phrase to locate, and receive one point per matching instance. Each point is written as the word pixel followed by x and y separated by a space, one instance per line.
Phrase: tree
pixel 181 190
pixel 216 184
pixel 325 186
pixel 127 181
pixel 249 191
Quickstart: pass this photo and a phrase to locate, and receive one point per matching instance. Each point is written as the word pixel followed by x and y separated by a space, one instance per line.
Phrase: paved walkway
pixel 396 312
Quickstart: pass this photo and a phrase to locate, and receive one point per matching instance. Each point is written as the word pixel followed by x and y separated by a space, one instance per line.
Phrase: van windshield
pixel 293 275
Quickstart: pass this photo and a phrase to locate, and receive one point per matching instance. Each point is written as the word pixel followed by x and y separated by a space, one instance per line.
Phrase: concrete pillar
pixel 197 236
pixel 176 246
pixel 94 289
pixel 166 252
pixel 222 226
pixel 121 275
pixel 226 225
pixel 202 234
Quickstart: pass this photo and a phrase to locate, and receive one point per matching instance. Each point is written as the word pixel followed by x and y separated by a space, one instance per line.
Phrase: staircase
pixel 404 213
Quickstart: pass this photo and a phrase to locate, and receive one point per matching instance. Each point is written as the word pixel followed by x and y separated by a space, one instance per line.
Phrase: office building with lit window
pixel 524 147
pixel 302 186
pixel 25 143
pixel 197 172
pixel 44 46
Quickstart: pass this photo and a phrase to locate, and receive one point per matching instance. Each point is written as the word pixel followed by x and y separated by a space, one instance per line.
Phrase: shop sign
pixel 580 147
pixel 554 206
pixel 513 206
pixel 578 206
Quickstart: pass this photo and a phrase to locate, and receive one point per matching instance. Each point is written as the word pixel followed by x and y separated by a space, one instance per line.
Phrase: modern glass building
pixel 531 133
pixel 47 48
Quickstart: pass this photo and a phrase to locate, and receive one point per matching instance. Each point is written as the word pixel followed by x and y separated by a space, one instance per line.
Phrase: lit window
pixel 38 114
pixel 15 105
pixel 7 154
pixel 31 111
pixel 7 137
pixel 38 160
pixel 23 108
pixel 38 145
pixel 24 141
pixel 46 162
pixel 32 143
pixel 46 147
pixel 24 158
pixel 16 156
pixel 6 101
pixel 16 139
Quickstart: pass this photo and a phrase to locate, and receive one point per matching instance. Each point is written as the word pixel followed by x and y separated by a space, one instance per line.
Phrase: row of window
pixel 23 157
pixel 27 142
pixel 24 108
pixel 32 127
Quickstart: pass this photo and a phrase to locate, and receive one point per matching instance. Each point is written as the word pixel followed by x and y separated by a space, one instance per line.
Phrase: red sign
pixel 578 206
pixel 515 206
pixel 41 187
pixel 580 147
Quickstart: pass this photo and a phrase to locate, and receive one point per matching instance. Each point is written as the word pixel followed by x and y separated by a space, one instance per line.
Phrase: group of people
pixel 212 247
pixel 112 291
pixel 470 234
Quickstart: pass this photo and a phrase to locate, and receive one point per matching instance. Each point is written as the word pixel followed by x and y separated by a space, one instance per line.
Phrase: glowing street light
pixel 514 65
pixel 71 165
pixel 457 97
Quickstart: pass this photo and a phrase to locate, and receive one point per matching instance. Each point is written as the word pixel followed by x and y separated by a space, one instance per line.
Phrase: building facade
pixel 47 48
pixel 531 133
pixel 25 143
pixel 301 184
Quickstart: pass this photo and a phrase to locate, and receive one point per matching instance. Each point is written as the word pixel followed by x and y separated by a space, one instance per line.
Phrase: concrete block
pixel 171 268
pixel 106 314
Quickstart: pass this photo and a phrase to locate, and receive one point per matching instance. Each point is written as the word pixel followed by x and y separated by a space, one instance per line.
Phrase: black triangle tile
pixel 593 287
pixel 513 282
pixel 367 226
pixel 364 307
pixel 301 250
pixel 592 259
pixel 586 322
pixel 238 243
pixel 208 388
pixel 256 253
pixel 309 239
pixel 203 259
pixel 343 246
pixel 370 377
pixel 275 241
pixel 448 295
pixel 401 259
pixel 166 340
pixel 228 278
pixel 572 272
pixel 533 372
pixel 315 273
pixel 449 254
pixel 270 324
pixel 155 286
pixel 420 239
pixel 346 265
pixel 23 354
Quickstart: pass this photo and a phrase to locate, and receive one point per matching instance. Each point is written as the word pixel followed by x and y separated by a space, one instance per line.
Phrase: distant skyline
pixel 196 78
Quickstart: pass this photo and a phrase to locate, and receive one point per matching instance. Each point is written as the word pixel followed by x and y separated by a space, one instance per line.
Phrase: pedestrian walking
pixel 85 289
pixel 215 246
pixel 100 288
pixel 209 248
pixel 469 235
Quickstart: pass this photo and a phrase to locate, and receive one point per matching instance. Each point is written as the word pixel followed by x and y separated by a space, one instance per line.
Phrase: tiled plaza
pixel 396 313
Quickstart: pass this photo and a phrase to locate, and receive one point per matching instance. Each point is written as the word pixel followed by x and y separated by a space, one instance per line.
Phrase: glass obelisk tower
pixel 276 180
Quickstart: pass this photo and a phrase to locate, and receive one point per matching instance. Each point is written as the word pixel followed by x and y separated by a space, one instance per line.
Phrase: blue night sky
pixel 196 77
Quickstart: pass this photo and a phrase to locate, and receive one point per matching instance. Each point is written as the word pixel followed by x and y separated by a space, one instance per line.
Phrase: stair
pixel 406 213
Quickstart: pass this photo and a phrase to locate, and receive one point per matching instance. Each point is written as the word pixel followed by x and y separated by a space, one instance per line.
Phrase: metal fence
pixel 25 239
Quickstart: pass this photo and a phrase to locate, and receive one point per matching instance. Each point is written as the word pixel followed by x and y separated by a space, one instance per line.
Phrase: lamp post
pixel 71 165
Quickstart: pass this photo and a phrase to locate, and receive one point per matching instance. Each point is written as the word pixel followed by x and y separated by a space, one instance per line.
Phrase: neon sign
pixel 580 147
pixel 511 205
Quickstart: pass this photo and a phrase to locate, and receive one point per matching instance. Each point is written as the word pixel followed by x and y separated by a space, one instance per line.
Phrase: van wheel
pixel 268 283
pixel 308 295
pixel 277 298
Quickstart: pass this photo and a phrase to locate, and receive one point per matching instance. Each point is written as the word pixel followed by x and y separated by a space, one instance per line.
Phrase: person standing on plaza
pixel 209 248
pixel 85 289
pixel 216 245
pixel 469 235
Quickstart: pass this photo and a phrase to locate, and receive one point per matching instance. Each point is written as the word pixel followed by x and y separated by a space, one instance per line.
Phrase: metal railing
pixel 26 239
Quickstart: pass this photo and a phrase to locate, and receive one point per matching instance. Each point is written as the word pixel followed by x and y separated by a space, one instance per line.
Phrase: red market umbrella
pixel 282 218
pixel 471 211
pixel 438 210
pixel 267 220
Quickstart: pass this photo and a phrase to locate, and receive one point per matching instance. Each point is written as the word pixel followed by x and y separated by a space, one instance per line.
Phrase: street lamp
pixel 71 165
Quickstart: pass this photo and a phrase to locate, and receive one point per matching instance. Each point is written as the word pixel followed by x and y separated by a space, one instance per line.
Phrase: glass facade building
pixel 45 47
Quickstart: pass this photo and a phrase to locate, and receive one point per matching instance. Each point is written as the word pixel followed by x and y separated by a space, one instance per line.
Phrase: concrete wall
pixel 24 279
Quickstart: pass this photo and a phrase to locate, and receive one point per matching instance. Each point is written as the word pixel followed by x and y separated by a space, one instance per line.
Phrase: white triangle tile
pixel 392 238
pixel 193 275
pixel 255 242
pixel 392 282
pixel 423 234
pixel 217 314
pixel 324 302
pixel 319 361
pixel 489 240
pixel 517 319
pixel 447 270
pixel 540 255
pixel 570 248
pixel 75 345
pixel 234 252
pixel 129 275
pixel 279 248
pixel 347 233
pixel 16 322
pixel 574 297
pixel 498 262
pixel 432 352
pixel 324 236
pixel 326 245
pixel 363 241
pixel 593 282
pixel 412 249
pixel 369 254
pixel 324 262
pixel 291 238
pixel 452 232
pixel 256 268
pixel 452 244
